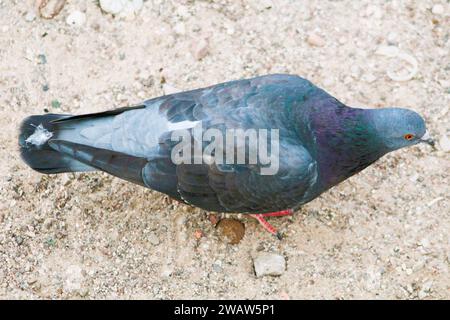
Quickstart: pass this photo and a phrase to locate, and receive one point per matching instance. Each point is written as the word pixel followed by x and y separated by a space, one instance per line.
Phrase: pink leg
pixel 266 225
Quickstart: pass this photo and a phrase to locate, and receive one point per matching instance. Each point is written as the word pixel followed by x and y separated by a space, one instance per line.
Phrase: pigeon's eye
pixel 408 136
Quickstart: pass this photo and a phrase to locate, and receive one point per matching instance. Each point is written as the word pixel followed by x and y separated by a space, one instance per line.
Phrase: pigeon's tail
pixel 35 134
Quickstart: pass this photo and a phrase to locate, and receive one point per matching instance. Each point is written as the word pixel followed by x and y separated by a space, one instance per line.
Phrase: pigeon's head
pixel 400 128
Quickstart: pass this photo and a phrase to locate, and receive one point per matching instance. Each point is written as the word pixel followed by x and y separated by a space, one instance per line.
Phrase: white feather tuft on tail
pixel 39 136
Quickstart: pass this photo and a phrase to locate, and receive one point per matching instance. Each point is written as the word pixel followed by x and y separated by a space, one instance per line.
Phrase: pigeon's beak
pixel 427 139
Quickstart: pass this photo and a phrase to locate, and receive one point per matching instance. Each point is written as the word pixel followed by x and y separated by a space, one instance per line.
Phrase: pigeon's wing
pixel 258 103
pixel 242 188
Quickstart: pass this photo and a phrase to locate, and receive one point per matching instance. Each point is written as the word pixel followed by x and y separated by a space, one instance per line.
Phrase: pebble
pixel 30 16
pixel 444 142
pixel 392 38
pixel 438 9
pixel 269 264
pixel 231 230
pixel 123 8
pixel 76 18
pixel 180 28
pixel 153 239
pixel 200 49
pixel 315 40
pixel 217 266
pixel 19 240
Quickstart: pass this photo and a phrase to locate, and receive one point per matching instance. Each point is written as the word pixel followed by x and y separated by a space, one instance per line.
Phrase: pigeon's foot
pixel 266 225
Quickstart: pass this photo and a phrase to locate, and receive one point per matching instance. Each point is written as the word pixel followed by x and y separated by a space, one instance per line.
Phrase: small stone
pixel 392 38
pixel 111 6
pixel 42 59
pixel 231 230
pixel 198 234
pixel 30 16
pixel 438 9
pixel 56 104
pixel 123 8
pixel 19 240
pixel 315 40
pixel 269 264
pixel 76 18
pixel 153 239
pixel 83 292
pixel 217 266
pixel 200 49
pixel 444 142
pixel 180 28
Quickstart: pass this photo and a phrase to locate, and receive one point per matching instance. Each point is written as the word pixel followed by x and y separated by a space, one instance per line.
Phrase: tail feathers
pixel 35 134
pixel 116 163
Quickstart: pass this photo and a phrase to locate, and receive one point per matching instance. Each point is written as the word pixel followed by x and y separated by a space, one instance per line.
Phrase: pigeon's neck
pixel 346 143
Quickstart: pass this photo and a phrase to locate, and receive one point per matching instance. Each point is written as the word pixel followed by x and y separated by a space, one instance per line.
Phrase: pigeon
pixel 318 143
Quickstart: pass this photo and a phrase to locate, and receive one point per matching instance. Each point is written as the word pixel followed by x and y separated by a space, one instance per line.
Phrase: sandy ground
pixel 382 234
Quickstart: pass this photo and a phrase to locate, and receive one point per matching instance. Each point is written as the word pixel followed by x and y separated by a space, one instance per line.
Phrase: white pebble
pixel 315 40
pixel 76 18
pixel 124 8
pixel 438 9
pixel 392 37
pixel 111 6
pixel 180 28
pixel 269 264
pixel 153 239
pixel 200 49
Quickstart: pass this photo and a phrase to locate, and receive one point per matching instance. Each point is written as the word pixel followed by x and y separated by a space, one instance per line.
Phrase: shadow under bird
pixel 321 142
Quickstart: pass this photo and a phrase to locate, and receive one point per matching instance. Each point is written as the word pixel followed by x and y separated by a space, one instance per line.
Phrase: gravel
pixel 76 18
